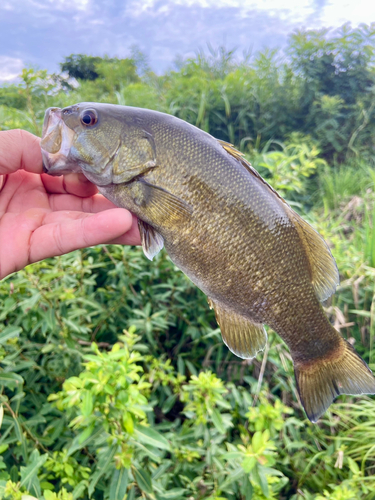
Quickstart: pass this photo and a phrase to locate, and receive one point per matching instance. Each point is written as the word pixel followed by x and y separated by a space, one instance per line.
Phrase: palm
pixel 43 216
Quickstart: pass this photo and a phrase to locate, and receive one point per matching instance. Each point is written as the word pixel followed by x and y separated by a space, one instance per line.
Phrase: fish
pixel 258 262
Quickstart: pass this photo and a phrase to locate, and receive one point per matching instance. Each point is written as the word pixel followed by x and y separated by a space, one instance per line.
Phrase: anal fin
pixel 242 336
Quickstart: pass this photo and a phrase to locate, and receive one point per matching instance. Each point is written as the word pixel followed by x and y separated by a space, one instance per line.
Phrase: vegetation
pixel 114 381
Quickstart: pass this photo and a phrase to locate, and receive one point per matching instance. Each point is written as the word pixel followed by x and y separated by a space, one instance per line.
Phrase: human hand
pixel 43 216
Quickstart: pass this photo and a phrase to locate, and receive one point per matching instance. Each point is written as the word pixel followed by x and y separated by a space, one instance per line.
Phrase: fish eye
pixel 89 118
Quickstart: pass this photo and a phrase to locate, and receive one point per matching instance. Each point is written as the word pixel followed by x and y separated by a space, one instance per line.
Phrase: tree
pixel 80 66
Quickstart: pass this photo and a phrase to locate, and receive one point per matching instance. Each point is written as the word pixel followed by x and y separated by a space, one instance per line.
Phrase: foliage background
pixel 115 383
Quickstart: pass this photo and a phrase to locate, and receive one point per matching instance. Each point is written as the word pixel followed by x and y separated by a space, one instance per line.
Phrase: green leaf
pixel 143 480
pixel 10 380
pixel 232 476
pixel 248 489
pixel 20 437
pixel 218 421
pixel 366 314
pixel 29 478
pixel 233 455
pixel 131 494
pixel 9 332
pixel 96 438
pixel 83 436
pixel 249 463
pixel 105 462
pixel 3 447
pixel 261 479
pixel 80 489
pixel 257 441
pixel 173 494
pixel 49 495
pixel 35 420
pixel 270 471
pixel 181 365
pixel 87 403
pixel 119 484
pixel 152 453
pixel 191 368
pixel 353 466
pixel 161 470
pixel 169 403
pixel 149 436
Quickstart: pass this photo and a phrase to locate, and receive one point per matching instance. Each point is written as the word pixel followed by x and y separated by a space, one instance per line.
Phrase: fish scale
pixel 256 260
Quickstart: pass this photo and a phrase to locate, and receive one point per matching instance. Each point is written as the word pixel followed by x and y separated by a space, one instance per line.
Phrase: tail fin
pixel 320 382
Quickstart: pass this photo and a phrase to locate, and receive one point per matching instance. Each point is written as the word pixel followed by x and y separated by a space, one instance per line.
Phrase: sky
pixel 40 33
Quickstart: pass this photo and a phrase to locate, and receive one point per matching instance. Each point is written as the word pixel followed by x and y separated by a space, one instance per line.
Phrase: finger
pixel 19 150
pixel 93 204
pixel 76 184
pixel 131 237
pixel 65 236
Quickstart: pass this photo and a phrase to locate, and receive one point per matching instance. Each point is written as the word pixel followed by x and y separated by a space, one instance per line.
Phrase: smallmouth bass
pixel 257 260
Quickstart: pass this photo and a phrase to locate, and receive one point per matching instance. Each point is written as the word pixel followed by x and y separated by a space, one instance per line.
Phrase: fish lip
pixel 52 117
pixel 57 164
pixel 45 161
pixel 57 140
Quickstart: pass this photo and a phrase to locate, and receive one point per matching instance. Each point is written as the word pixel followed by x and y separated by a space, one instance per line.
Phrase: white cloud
pixel 338 12
pixel 302 7
pixel 80 5
pixel 7 6
pixel 330 13
pixel 10 68
pixel 70 4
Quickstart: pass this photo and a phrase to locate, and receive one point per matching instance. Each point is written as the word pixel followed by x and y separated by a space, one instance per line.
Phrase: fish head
pixel 78 138
pixel 99 140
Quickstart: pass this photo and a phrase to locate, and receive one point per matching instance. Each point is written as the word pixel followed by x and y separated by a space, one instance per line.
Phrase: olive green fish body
pixel 256 260
pixel 238 245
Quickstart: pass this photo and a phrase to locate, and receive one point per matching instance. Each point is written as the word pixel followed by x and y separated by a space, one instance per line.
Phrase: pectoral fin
pixel 242 336
pixel 161 205
pixel 152 241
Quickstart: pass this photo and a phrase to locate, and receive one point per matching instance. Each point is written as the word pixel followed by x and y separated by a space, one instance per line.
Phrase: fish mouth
pixel 57 140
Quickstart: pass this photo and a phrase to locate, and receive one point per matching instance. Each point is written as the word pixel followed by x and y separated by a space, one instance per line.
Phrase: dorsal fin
pixel 323 270
pixel 241 335
pixel 240 157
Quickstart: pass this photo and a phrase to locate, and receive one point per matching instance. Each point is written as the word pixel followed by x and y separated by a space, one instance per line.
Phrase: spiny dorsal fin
pixel 323 270
pixel 243 337
pixel 152 241
pixel 240 157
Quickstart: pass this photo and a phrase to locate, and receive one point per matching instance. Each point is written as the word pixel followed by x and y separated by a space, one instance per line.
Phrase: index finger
pixel 19 150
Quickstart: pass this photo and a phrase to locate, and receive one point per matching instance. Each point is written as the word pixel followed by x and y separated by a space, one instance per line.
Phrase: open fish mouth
pixel 56 143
